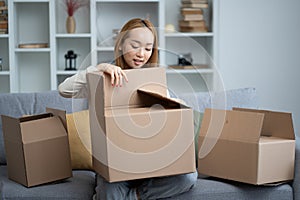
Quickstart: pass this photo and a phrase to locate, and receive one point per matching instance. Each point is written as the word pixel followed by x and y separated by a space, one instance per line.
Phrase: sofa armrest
pixel 296 182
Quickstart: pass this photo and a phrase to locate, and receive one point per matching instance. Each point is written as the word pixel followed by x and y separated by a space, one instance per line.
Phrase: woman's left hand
pixel 116 73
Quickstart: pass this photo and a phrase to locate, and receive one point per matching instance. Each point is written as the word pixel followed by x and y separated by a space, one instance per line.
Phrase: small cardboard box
pixel 37 148
pixel 137 131
pixel 247 145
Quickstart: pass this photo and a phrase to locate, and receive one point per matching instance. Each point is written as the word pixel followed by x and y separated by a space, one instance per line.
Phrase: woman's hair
pixel 124 34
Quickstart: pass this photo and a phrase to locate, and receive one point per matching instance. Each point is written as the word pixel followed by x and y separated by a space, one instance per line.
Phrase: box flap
pixel 52 128
pixel 11 128
pixel 276 124
pixel 151 97
pixel 148 78
pixel 231 125
pixel 60 113
pixel 34 117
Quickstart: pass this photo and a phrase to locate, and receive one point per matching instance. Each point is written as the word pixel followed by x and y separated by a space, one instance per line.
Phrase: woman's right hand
pixel 116 73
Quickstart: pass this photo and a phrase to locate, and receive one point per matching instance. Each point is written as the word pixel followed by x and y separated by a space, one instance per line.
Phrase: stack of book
pixel 3 18
pixel 192 16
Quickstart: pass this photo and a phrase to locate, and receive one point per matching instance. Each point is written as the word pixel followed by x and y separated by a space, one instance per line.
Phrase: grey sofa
pixel 82 184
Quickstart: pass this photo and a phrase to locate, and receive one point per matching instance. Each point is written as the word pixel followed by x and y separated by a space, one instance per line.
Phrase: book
pixel 189 11
pixel 192 17
pixel 3 21
pixel 194 5
pixel 3 8
pixel 194 1
pixel 2 3
pixel 3 30
pixel 3 25
pixel 192 29
pixel 196 23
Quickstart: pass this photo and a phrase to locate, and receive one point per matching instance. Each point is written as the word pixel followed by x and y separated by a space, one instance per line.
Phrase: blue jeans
pixel 150 188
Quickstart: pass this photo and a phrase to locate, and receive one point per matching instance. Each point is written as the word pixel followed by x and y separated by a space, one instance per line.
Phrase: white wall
pixel 259 46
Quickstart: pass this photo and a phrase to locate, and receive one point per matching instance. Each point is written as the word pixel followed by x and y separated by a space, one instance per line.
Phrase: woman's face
pixel 137 48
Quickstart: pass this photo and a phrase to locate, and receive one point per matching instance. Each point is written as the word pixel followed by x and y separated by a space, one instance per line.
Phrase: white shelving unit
pixel 202 47
pixel 43 21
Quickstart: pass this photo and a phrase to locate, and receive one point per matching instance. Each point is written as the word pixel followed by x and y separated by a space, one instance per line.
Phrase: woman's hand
pixel 116 73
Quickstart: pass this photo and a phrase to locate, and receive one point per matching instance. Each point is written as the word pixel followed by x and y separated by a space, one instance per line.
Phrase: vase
pixel 70 24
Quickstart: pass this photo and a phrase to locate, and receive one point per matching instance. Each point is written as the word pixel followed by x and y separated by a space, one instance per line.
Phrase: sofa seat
pixel 80 186
pixel 212 189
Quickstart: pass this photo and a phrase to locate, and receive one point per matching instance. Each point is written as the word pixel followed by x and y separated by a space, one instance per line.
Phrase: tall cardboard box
pixel 247 145
pixel 137 132
pixel 37 148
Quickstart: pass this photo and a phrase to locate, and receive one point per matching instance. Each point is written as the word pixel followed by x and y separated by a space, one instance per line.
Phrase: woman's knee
pixel 189 180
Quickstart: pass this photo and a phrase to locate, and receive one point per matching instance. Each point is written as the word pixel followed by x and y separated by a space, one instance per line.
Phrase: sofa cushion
pixel 80 139
pixel 242 97
pixel 214 189
pixel 80 186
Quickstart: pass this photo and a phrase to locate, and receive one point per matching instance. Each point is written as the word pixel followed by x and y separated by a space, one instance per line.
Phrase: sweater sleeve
pixel 76 85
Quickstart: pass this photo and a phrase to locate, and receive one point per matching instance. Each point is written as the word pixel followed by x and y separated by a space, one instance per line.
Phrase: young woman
pixel 136 47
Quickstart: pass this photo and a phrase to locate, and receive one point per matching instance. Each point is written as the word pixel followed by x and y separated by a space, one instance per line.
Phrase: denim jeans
pixel 150 188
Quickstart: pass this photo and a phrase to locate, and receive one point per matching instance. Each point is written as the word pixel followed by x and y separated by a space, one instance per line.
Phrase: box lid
pixel 112 96
pixel 276 124
pixel 51 123
pixel 232 125
pixel 52 128
pixel 151 97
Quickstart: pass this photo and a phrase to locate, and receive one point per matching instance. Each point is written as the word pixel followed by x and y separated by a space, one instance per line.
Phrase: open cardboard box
pixel 247 145
pixel 137 131
pixel 37 148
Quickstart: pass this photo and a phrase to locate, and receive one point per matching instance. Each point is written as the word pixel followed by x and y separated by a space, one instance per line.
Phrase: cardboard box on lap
pixel 247 145
pixel 137 131
pixel 37 148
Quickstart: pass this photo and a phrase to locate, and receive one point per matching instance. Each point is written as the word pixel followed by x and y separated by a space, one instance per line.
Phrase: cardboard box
pixel 37 148
pixel 247 145
pixel 137 132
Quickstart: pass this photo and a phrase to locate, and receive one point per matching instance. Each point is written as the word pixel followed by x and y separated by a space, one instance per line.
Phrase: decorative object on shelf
pixel 0 64
pixel 169 28
pixel 185 61
pixel 33 45
pixel 3 18
pixel 71 7
pixel 70 24
pixel 70 60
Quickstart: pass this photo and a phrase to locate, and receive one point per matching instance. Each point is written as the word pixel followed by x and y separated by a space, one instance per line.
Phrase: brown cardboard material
pixel 137 131
pixel 247 145
pixel 37 148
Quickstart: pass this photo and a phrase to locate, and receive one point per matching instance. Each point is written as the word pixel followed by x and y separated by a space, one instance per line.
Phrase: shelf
pixel 105 48
pixel 32 50
pixel 31 1
pixel 63 72
pixel 77 35
pixel 4 73
pixel 121 1
pixel 181 34
pixel 3 35
pixel 189 71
